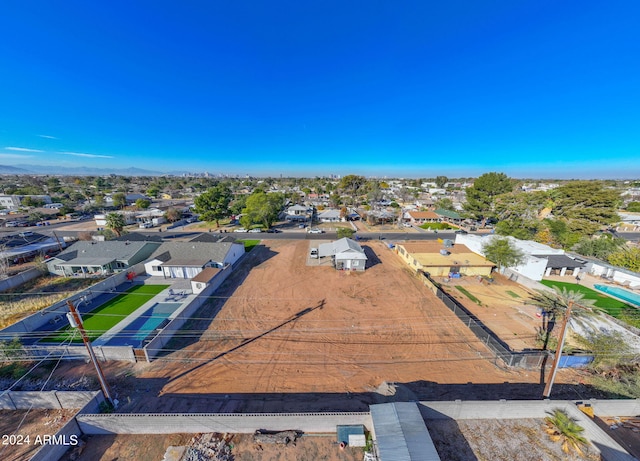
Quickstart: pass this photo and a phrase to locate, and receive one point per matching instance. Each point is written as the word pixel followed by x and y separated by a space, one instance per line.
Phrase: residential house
pixel 443 259
pixel 188 259
pixel 536 256
pixel 329 216
pixel 346 253
pixel 100 258
pixel 13 202
pixel 449 216
pixel 299 213
pixel 420 217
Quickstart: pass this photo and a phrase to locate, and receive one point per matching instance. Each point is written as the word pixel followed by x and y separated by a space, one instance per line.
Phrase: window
pixel 355 263
pixel 57 268
pixel 156 268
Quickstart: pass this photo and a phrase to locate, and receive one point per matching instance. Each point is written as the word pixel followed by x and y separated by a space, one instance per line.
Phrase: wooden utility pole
pixel 556 359
pixel 77 323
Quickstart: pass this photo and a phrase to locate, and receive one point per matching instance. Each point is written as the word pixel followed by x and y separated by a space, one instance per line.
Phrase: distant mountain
pixel 80 171
pixel 5 169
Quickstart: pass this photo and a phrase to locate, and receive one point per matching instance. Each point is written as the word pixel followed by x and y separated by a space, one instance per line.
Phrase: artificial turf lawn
pixel 468 295
pixel 110 313
pixel 610 305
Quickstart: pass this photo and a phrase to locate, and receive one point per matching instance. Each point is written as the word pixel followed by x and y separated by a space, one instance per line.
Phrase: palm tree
pixel 558 303
pixel 561 428
pixel 115 222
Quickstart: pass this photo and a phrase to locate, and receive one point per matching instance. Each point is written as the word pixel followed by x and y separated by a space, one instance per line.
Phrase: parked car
pixel 240 229
pixel 273 231
pixel 407 224
pixel 461 231
pixel 256 230
pixel 315 230
pixel 313 253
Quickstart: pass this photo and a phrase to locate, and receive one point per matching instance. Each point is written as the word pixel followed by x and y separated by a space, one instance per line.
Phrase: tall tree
pixel 115 222
pixel 501 251
pixel 441 181
pixel 586 206
pixel 213 205
pixel 262 208
pixel 142 204
pixel 629 258
pixel 119 199
pixel 481 196
pixel 352 185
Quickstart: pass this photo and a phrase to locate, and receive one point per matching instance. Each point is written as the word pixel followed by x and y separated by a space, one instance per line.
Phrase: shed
pixel 401 433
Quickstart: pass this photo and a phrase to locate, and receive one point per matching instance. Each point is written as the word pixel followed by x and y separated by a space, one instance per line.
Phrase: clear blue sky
pixel 532 88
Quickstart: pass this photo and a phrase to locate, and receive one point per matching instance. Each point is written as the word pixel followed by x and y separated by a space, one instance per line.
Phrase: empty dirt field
pixel 503 308
pixel 281 326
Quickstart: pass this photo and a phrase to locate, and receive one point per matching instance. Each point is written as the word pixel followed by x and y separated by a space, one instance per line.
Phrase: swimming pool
pixel 140 328
pixel 628 296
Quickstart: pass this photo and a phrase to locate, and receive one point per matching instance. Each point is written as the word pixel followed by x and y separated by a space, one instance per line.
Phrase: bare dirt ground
pixel 499 440
pixel 22 441
pixel 504 308
pixel 284 327
pixel 243 448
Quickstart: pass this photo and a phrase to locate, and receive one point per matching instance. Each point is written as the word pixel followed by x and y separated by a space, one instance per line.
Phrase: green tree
pixel 119 199
pixel 30 201
pixel 629 258
pixel 586 206
pixel 561 428
pixel 441 181
pixel 554 304
pixel 601 247
pixel 501 251
pixel 238 204
pixel 634 207
pixel 353 186
pixel 213 205
pixel 481 196
pixel 343 232
pixel 262 208
pixel 445 203
pixel 116 223
pixel 142 204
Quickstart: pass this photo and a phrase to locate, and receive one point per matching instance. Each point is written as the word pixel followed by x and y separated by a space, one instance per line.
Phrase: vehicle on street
pixel 241 229
pixel 257 230
pixel 315 230
pixel 273 231
pixel 461 231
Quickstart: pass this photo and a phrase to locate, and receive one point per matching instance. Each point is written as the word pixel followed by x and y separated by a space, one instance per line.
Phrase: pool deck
pixel 173 294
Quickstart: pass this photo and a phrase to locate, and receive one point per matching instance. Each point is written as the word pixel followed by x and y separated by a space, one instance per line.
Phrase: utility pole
pixel 57 240
pixel 556 359
pixel 76 322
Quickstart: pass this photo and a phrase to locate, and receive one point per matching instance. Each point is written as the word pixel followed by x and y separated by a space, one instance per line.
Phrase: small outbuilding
pixel 347 254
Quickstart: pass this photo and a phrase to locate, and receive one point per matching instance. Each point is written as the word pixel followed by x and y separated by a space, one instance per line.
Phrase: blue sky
pixel 418 88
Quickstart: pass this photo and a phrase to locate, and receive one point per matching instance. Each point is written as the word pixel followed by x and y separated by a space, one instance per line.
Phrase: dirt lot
pixel 290 328
pixel 20 442
pixel 242 448
pixel 504 308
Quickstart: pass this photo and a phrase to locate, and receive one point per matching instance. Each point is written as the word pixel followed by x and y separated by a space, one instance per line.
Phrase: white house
pixel 188 259
pixel 347 254
pixel 329 216
pixel 539 259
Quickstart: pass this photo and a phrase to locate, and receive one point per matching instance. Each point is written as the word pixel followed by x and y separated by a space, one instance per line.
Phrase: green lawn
pixel 512 294
pixel 611 306
pixel 436 226
pixel 468 295
pixel 110 313
pixel 248 244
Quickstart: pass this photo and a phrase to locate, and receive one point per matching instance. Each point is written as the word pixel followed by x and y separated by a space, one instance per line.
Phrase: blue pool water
pixel 137 331
pixel 628 296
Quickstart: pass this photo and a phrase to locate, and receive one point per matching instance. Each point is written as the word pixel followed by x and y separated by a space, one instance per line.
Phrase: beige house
pixel 440 261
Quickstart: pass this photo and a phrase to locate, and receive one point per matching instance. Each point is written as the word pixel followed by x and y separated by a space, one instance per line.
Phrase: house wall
pixel 235 253
pixel 148 268
pixel 246 423
pixel 533 268
pixel 443 271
